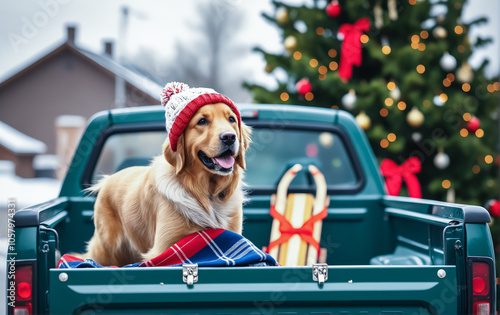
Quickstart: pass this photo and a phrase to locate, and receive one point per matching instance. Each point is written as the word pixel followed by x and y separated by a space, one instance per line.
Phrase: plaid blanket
pixel 209 248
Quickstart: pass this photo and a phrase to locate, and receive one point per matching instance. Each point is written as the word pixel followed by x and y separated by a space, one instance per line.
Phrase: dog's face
pixel 213 141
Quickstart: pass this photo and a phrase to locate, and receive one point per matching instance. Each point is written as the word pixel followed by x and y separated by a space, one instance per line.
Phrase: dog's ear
pixel 177 158
pixel 245 133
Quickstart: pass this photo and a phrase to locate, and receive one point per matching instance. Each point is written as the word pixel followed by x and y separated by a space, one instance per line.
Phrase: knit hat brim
pixel 183 118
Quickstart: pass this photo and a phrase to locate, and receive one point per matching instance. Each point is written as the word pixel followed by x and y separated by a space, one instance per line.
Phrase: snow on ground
pixel 26 192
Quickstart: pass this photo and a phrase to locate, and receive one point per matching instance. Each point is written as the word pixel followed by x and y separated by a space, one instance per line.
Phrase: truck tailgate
pixel 254 290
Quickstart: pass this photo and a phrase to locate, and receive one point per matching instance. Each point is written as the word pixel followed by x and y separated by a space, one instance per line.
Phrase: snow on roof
pixel 141 82
pixel 70 121
pixel 18 142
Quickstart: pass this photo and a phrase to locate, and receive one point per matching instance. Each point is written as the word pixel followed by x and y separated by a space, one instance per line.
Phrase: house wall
pixel 64 84
pixel 23 162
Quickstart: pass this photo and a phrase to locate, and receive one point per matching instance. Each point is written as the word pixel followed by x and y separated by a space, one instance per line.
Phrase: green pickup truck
pixel 385 254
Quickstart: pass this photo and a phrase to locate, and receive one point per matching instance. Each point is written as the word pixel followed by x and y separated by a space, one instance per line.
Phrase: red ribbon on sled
pixel 305 231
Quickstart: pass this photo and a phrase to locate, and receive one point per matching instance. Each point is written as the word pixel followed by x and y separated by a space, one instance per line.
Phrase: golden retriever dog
pixel 141 211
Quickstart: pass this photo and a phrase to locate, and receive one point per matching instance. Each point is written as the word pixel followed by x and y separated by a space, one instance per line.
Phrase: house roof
pixel 105 63
pixel 19 143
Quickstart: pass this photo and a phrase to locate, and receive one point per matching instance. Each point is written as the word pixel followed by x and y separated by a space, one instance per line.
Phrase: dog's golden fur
pixel 142 211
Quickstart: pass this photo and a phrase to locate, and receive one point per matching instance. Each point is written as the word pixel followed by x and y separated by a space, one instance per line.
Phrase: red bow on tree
pixel 395 174
pixel 350 52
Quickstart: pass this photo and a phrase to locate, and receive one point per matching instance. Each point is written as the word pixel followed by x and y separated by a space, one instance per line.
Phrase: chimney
pixel 71 30
pixel 108 48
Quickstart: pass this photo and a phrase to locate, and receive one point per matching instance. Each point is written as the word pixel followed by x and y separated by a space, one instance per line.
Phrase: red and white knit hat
pixel 181 102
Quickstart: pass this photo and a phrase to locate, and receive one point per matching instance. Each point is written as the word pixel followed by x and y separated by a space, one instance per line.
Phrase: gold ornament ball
pixel 290 43
pixel 269 68
pixel 465 73
pixel 415 118
pixel 440 32
pixel 363 120
pixel 282 16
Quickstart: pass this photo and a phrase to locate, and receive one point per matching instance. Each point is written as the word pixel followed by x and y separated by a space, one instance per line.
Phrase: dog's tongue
pixel 225 161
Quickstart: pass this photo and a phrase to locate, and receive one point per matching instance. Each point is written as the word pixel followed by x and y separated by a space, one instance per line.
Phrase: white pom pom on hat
pixel 181 102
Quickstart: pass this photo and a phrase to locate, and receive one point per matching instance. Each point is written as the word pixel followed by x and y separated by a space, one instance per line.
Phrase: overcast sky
pixel 30 28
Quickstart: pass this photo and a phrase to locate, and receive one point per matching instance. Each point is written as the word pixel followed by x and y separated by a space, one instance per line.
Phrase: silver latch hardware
pixel 320 273
pixel 190 273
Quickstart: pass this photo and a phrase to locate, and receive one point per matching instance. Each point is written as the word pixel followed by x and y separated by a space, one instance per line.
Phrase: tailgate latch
pixel 190 273
pixel 320 273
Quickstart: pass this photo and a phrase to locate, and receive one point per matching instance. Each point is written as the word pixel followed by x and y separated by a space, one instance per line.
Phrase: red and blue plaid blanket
pixel 209 248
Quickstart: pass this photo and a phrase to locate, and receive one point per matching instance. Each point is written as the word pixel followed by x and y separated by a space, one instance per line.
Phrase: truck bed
pixel 398 263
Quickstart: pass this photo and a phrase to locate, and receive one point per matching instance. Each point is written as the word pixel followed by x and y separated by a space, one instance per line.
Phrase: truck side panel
pixel 253 290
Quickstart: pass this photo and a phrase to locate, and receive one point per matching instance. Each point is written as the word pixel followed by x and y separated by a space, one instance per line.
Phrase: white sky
pixel 30 28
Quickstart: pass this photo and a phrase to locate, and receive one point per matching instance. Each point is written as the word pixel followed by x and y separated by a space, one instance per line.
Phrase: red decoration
pixel 303 86
pixel 473 124
pixel 350 52
pixel 493 207
pixel 395 174
pixel 333 9
pixel 305 231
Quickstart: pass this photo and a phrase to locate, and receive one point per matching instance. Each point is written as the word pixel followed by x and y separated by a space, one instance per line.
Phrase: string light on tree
pixel 349 100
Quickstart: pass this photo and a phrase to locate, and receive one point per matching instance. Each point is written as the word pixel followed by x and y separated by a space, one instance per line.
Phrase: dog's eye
pixel 202 122
pixel 232 119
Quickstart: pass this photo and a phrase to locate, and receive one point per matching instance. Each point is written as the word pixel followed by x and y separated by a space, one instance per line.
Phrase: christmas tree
pixel 403 72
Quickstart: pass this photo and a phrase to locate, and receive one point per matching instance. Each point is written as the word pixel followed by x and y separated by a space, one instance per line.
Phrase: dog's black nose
pixel 227 137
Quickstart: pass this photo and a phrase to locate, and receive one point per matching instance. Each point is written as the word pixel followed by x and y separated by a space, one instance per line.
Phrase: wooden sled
pixel 296 229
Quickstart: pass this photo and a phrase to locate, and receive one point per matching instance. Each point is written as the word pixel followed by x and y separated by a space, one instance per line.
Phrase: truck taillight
pixel 481 285
pixel 24 291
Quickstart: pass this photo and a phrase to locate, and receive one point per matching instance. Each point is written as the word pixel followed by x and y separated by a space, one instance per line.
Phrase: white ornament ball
pixel 440 32
pixel 349 100
pixel 448 62
pixel 395 94
pixel 416 136
pixel 441 160
pixel 438 101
